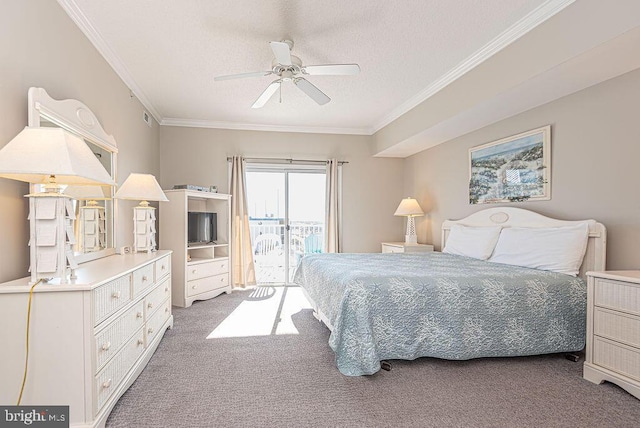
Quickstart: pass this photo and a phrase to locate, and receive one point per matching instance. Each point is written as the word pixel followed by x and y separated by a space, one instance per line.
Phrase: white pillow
pixel 476 242
pixel 558 249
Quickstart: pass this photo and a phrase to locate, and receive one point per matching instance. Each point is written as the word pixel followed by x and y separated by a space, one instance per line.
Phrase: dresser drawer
pixel 617 326
pixel 157 320
pixel 162 267
pixel 207 284
pixel 618 295
pixel 202 270
pixel 616 357
pixel 142 278
pixel 392 249
pixel 157 296
pixel 109 340
pixel 110 297
pixel 110 377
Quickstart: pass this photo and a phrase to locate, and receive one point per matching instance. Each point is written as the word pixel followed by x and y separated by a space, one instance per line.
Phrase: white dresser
pixel 613 329
pixel 90 339
pixel 401 247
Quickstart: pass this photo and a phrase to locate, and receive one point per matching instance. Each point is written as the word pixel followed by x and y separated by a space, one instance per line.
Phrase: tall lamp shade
pixel 143 188
pixel 410 208
pixel 42 155
pixel 51 156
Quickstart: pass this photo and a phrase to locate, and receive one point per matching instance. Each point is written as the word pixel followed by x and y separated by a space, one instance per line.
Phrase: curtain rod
pixel 286 160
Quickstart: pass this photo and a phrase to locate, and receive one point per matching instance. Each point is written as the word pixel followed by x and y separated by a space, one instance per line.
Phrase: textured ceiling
pixel 168 51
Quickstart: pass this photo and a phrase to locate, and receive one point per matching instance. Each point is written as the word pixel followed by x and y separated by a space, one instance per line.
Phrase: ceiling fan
pixel 289 68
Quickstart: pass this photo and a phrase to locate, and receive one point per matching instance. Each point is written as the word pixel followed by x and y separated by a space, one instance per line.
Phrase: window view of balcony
pixel 286 218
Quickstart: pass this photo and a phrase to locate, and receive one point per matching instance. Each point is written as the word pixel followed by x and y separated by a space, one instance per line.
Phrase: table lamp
pixel 51 156
pixel 92 229
pixel 410 208
pixel 143 188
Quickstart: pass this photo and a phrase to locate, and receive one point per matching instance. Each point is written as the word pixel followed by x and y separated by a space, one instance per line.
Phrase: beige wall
pixel 595 153
pixel 372 187
pixel 40 46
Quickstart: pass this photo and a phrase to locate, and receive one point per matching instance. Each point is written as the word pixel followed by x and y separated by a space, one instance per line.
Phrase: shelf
pixel 197 247
pixel 199 260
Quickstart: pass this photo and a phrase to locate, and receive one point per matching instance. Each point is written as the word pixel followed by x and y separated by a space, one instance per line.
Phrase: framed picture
pixel 513 169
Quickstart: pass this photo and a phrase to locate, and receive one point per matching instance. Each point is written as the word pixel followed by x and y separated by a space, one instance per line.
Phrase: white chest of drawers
pixel 89 339
pixel 613 329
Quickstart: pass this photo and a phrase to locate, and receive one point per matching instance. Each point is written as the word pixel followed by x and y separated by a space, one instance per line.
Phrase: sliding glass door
pixel 286 217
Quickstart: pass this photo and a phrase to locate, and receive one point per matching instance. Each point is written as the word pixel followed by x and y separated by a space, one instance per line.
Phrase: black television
pixel 202 228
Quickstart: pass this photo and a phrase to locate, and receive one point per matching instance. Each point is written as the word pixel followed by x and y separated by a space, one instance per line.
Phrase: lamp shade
pixel 36 153
pixel 94 193
pixel 141 187
pixel 409 207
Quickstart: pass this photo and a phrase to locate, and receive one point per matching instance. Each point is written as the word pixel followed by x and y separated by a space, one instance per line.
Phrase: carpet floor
pixel 259 358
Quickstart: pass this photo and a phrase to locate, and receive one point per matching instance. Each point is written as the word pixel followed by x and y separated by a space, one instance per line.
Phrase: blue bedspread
pixel 410 305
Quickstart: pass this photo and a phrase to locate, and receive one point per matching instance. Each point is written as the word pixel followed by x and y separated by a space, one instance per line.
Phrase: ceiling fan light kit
pixel 289 68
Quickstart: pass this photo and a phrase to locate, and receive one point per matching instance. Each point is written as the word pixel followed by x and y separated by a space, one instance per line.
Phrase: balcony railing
pixel 268 241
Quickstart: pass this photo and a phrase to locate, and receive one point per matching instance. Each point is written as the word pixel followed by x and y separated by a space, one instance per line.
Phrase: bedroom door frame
pixel 286 169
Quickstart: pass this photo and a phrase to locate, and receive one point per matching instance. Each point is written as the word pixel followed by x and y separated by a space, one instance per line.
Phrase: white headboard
pixel 594 258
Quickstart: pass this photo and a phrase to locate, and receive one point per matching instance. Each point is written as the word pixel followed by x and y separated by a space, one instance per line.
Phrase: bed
pixel 408 305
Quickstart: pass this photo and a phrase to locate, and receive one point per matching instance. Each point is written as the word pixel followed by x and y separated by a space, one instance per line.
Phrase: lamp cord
pixel 26 357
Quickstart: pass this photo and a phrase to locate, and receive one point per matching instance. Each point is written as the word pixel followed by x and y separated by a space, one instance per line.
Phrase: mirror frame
pixel 76 117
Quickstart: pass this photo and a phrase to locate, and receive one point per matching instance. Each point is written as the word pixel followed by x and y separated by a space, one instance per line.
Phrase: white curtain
pixel 243 272
pixel 332 233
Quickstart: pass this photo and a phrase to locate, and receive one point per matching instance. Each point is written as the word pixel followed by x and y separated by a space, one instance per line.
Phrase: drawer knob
pixel 140 341
pixel 166 289
pixel 194 286
pixel 139 315
pixel 144 277
pixel 194 271
pixel 106 346
pixel 115 295
pixel 107 384
pixel 163 267
pixel 166 310
pixel 222 266
pixel 150 331
pixel 221 279
pixel 149 305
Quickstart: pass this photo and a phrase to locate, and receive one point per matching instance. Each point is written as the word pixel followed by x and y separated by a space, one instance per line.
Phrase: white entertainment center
pixel 200 270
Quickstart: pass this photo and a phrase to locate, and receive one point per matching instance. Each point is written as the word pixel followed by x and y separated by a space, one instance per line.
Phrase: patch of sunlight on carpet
pixel 266 311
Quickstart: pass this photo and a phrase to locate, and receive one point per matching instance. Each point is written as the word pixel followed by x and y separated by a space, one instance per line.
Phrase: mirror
pixel 94 205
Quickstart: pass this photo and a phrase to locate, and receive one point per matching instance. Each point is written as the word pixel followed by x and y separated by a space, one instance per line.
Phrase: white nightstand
pixel 401 247
pixel 613 329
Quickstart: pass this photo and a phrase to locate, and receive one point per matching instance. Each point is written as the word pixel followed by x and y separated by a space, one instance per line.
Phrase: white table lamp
pixel 143 188
pixel 410 208
pixel 92 233
pixel 51 156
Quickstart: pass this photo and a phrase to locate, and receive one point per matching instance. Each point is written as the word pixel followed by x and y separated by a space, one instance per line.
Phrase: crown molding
pixel 194 123
pixel 510 35
pixel 74 12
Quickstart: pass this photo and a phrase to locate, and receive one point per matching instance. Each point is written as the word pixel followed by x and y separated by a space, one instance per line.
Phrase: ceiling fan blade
pixel 282 52
pixel 242 75
pixel 267 94
pixel 314 93
pixel 332 70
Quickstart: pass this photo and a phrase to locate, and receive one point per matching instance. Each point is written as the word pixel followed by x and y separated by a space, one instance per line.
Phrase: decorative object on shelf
pixel 92 233
pixel 410 208
pixel 51 156
pixel 513 169
pixel 143 188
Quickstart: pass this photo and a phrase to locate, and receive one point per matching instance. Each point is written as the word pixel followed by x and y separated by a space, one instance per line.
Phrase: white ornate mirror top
pixel 70 114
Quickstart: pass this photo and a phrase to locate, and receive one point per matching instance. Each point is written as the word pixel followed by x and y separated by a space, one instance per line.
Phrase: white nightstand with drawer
pixel 401 247
pixel 613 329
